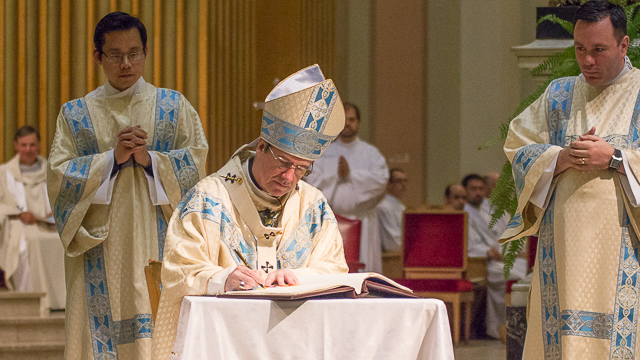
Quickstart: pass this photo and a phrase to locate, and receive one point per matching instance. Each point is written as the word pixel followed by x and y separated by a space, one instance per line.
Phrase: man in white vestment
pixel 455 197
pixel 575 160
pixel 256 211
pixel 390 211
pixel 121 160
pixel 31 254
pixel 353 175
pixel 482 241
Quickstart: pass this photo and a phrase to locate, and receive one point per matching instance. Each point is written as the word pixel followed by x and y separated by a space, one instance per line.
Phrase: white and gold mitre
pixel 303 114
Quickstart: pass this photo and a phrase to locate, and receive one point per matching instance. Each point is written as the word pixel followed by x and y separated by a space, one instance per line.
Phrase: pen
pixel 244 261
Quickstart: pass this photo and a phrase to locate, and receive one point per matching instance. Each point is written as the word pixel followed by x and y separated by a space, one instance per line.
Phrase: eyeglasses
pixel 116 59
pixel 284 165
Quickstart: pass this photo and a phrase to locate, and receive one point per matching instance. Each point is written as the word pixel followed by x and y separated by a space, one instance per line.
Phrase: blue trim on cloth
pixel 185 169
pixel 71 190
pixel 138 327
pixel 75 177
pixel 167 113
pixel 164 134
pixel 104 337
pixel 81 126
pixel 161 225
pixel 548 275
pixel 211 208
pixel 587 324
pixel 293 139
pixel 294 251
pixel 625 314
pixel 559 108
pixel 106 333
pixel 523 161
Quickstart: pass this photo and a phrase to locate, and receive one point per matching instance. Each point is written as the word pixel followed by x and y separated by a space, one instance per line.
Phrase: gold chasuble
pixel 222 214
pixel 108 315
pixel 584 295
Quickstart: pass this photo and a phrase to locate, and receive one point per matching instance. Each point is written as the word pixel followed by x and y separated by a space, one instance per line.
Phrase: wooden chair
pixel 152 273
pixel 350 231
pixel 435 258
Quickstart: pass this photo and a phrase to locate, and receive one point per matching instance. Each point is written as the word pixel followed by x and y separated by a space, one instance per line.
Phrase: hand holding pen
pixel 243 277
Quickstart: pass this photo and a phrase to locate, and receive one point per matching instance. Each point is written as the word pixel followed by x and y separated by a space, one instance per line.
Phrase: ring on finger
pixel 241 286
pixel 583 161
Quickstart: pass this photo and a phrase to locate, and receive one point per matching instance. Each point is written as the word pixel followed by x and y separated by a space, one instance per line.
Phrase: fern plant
pixel 563 64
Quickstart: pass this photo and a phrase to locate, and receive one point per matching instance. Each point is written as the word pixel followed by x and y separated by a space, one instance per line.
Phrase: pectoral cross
pixel 233 178
pixel 266 267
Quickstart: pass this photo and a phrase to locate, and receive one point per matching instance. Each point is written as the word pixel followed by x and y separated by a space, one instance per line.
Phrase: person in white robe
pixel 455 197
pixel 390 211
pixel 482 241
pixel 121 160
pixel 255 209
pixel 575 160
pixel 31 254
pixel 353 176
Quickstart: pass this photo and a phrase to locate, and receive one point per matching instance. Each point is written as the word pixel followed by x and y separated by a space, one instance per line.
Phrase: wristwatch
pixel 616 160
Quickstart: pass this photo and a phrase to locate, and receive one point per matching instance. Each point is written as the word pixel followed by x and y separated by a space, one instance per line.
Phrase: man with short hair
pixel 482 241
pixel 575 159
pixel 30 251
pixel 455 197
pixel 353 176
pixel 122 158
pixel 390 211
pixel 256 209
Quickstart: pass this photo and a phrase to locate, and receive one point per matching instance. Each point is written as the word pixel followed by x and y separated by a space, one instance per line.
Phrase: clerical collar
pixel 625 69
pixel 112 92
pixel 36 166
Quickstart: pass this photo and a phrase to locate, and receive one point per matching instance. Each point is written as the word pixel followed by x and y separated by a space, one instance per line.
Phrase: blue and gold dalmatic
pixel 107 333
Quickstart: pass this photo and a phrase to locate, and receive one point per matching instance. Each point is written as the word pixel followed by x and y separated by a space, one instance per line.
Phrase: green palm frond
pixel 553 61
pixel 633 24
pixel 566 24
pixel 510 253
pixel 503 197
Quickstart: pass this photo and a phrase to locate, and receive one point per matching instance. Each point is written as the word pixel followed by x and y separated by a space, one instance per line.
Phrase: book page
pixel 313 283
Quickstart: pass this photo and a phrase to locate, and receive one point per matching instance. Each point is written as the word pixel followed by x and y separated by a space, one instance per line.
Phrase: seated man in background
pixel 455 197
pixel 390 211
pixel 255 210
pixel 31 254
pixel 483 242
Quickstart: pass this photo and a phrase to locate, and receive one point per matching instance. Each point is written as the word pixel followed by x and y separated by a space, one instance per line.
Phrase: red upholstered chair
pixel 350 231
pixel 434 259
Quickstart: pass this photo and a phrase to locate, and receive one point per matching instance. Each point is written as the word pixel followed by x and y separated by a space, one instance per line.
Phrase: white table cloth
pixel 371 328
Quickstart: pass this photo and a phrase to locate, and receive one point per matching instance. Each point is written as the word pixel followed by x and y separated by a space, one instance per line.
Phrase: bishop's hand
pixel 281 277
pixel 243 278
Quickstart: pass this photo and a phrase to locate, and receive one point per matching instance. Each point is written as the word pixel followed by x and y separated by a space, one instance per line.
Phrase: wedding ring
pixel 583 161
pixel 241 286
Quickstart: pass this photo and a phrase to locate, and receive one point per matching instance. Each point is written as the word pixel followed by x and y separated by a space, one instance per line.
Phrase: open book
pixel 354 285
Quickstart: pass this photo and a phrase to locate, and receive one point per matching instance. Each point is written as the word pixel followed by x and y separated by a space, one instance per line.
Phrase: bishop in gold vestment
pixel 257 208
pixel 584 301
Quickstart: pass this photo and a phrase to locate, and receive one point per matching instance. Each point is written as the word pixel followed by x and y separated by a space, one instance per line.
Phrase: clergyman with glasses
pixel 255 210
pixel 122 158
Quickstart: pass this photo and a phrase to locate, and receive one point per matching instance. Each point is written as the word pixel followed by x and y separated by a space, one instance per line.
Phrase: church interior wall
pixel 434 79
